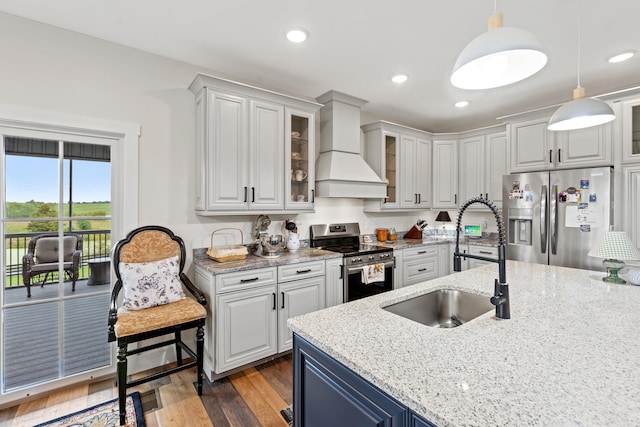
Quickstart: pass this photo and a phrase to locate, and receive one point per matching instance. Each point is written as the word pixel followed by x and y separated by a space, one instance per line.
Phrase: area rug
pixel 103 415
pixel 287 414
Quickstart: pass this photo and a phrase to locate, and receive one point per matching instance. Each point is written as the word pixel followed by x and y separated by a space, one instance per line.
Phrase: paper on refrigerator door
pixel 584 214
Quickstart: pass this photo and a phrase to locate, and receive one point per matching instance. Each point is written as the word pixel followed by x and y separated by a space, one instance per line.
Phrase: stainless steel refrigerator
pixel 556 217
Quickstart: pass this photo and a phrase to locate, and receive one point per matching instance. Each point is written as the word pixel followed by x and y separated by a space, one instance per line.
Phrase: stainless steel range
pixel 358 259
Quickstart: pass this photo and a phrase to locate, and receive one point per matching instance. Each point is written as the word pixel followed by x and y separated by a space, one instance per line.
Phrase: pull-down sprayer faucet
pixel 500 296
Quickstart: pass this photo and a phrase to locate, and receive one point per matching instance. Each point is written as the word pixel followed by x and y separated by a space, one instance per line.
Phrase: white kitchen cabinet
pixel 246 150
pixel 246 326
pixel 485 251
pixel 631 202
pixel 296 298
pixel 334 282
pixel 398 273
pixel 483 162
pixel 631 131
pixel 402 157
pixel 445 263
pixel 445 174
pixel 420 264
pixel 534 147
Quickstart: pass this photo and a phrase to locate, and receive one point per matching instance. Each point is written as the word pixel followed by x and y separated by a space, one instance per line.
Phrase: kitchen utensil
pixel 272 245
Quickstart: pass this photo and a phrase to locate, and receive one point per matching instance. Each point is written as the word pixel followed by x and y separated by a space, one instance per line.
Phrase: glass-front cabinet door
pixel 631 131
pixel 391 176
pixel 300 155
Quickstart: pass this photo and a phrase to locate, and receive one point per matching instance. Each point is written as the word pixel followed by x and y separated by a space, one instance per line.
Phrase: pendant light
pixel 581 112
pixel 499 57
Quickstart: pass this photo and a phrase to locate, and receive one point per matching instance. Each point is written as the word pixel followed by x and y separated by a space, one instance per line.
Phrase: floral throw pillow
pixel 148 284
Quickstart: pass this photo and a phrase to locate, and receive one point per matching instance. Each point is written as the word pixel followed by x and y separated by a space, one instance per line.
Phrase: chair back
pixel 148 244
pixel 47 249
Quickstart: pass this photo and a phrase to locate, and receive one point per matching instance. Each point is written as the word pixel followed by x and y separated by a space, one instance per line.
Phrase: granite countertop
pixel 201 259
pixel 490 240
pixel 568 356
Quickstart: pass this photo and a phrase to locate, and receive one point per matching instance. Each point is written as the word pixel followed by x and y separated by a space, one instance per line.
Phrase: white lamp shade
pixel 615 245
pixel 499 57
pixel 581 113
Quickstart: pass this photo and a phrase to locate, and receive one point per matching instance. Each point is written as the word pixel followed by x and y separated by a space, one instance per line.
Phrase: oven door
pixel 354 288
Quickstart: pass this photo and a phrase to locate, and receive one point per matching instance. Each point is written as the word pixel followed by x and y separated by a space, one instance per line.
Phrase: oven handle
pixel 390 263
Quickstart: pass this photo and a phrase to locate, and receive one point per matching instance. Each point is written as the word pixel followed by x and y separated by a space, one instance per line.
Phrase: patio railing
pixel 95 244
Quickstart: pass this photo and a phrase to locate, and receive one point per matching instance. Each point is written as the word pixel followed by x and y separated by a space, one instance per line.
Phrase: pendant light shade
pixel 499 57
pixel 581 113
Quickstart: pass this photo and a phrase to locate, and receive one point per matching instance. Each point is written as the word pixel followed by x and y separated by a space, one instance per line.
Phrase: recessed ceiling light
pixel 399 78
pixel 461 104
pixel 297 35
pixel 622 56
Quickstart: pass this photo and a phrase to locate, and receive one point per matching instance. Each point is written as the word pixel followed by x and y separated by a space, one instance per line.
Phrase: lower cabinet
pixel 327 393
pixel 247 318
pixel 334 282
pixel 420 264
pixel 445 263
pixel 485 251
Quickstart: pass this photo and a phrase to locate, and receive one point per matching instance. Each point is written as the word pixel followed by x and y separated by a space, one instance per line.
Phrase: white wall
pixel 50 69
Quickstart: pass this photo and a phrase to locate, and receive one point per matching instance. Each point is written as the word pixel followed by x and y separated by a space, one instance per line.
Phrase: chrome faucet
pixel 500 296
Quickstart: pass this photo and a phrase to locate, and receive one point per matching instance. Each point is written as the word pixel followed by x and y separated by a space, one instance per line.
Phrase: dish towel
pixel 372 273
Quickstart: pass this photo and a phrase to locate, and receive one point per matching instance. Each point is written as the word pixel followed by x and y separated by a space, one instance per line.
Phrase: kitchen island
pixel 570 354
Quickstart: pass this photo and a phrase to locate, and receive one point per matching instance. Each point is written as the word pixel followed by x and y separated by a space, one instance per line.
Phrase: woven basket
pixel 230 252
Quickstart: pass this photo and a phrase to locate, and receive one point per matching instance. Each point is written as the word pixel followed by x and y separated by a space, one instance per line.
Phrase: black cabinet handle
pixel 559 158
pixel 421 252
pixel 422 269
pixel 249 280
pixel 274 300
pixel 550 156
pixel 308 270
pixel 455 199
pixel 485 252
pixel 486 196
pixel 282 294
pixel 419 198
pixel 313 196
pixel 245 194
pixel 253 194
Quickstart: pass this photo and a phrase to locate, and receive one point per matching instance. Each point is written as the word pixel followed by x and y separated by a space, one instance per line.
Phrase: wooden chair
pixel 42 257
pixel 145 249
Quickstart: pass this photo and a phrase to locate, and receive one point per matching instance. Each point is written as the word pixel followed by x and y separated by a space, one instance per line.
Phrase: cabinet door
pixel 267 156
pixel 631 131
pixel 445 174
pixel 444 261
pixel 334 282
pixel 423 172
pixel 471 168
pixel 297 298
pixel 326 393
pixel 408 193
pixel 227 152
pixel 300 159
pixel 485 251
pixel 584 147
pixel 247 327
pixel 497 155
pixel 530 147
pixel 631 202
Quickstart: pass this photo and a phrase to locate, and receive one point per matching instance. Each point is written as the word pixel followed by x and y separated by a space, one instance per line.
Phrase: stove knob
pixel 371 257
pixel 354 260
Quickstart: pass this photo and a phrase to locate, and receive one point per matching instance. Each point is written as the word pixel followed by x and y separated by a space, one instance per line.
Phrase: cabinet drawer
pixel 420 270
pixel 245 279
pixel 420 251
pixel 301 270
pixel 488 251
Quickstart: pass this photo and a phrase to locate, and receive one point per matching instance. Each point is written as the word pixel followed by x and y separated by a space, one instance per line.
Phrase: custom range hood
pixel 340 170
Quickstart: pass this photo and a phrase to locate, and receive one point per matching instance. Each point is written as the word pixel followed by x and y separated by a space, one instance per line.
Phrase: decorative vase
pixel 293 244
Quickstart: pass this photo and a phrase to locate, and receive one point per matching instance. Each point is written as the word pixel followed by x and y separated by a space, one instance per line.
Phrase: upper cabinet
pixel 483 161
pixel 631 131
pixel 534 147
pixel 445 174
pixel 402 157
pixel 255 149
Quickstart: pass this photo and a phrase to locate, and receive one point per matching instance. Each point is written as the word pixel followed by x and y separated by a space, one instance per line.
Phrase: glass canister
pixel 392 234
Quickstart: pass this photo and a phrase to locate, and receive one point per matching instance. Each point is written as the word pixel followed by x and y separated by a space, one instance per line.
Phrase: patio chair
pixel 149 265
pixel 42 258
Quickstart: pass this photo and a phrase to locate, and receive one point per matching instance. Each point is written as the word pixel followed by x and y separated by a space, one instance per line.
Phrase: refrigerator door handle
pixel 543 219
pixel 553 219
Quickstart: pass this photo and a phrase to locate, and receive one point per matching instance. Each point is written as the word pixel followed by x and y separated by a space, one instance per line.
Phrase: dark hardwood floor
pixel 253 397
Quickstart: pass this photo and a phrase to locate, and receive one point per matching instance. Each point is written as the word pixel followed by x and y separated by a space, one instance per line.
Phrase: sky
pixel 36 178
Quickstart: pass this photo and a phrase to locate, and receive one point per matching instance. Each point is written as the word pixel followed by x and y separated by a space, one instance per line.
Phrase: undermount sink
pixel 443 308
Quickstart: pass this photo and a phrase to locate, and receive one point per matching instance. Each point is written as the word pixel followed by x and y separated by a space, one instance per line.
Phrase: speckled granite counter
pixel 201 259
pixel 435 240
pixel 569 355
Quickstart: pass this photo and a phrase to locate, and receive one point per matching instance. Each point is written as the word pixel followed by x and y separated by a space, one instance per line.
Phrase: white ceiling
pixel 355 46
